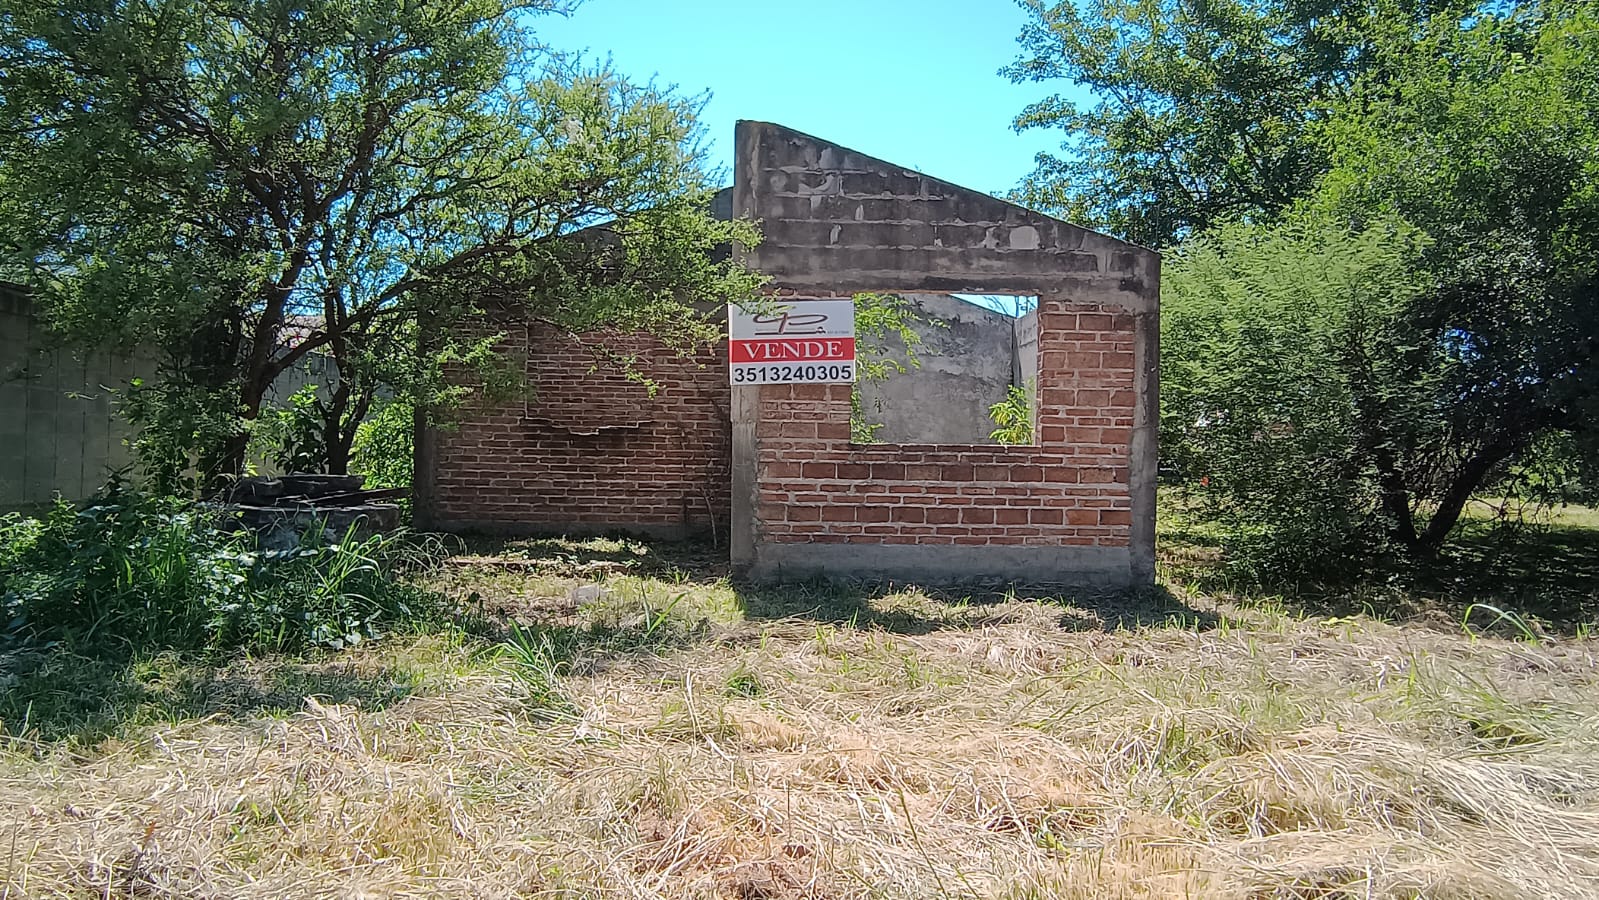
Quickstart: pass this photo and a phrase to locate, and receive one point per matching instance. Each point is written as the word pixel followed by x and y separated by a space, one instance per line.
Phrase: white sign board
pixel 793 342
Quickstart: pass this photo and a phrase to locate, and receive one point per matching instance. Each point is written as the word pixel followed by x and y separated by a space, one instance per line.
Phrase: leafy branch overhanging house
pixel 774 465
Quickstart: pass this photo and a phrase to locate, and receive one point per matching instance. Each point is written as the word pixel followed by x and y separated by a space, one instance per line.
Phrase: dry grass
pixel 664 736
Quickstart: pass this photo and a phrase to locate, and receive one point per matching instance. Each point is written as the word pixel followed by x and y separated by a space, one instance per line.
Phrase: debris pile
pixel 284 510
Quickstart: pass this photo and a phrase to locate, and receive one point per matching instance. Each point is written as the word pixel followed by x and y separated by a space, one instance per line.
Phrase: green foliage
pixel 1271 341
pixel 881 322
pixel 1407 311
pixel 383 449
pixel 270 179
pixel 1203 110
pixel 1482 138
pixel 291 435
pixel 531 655
pixel 1013 416
pixel 1559 469
pixel 131 573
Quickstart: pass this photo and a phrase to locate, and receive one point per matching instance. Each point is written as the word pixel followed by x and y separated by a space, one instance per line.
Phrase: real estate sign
pixel 793 342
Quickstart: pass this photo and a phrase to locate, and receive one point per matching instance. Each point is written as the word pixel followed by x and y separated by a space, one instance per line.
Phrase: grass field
pixel 616 719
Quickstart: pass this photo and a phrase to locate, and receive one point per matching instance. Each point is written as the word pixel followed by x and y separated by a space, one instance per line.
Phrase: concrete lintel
pixel 929 564
pixel 1122 293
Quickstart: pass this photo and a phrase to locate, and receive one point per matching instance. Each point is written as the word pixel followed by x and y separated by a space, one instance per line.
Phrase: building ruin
pixel 774 467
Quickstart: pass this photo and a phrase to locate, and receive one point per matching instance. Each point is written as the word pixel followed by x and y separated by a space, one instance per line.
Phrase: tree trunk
pixel 1467 479
pixel 336 450
pixel 227 461
pixel 1395 498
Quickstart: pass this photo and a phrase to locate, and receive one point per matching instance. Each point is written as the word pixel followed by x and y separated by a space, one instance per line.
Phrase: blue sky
pixel 912 81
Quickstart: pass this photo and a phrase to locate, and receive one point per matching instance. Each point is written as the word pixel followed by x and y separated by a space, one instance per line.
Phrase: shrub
pixel 129 572
pixel 291 437
pixel 1273 341
pixel 382 449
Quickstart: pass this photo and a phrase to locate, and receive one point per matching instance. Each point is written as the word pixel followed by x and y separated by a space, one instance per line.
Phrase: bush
pixel 1270 338
pixel 382 449
pixel 1013 416
pixel 129 572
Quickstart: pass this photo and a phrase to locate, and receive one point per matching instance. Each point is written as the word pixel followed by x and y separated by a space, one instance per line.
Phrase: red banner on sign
pixel 832 349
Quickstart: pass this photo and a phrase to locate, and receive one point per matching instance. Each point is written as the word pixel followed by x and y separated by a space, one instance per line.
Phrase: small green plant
pixel 129 573
pixel 743 682
pixel 532 657
pixel 1499 616
pixel 878 319
pixel 291 436
pixel 1013 416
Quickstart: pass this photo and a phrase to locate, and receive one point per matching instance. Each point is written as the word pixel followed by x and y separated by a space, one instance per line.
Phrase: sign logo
pixel 801 342
pixel 790 323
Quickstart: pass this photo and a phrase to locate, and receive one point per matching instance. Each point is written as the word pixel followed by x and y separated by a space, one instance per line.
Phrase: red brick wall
pixel 594 450
pixel 590 450
pixel 1071 489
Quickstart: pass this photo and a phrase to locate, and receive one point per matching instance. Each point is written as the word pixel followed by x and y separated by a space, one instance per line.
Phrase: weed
pixel 531 657
pixel 131 573
pixel 743 682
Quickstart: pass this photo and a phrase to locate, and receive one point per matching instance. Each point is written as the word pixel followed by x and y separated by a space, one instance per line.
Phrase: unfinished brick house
pixel 773 466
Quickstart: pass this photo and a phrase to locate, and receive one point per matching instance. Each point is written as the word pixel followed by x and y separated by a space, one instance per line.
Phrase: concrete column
pixel 744 535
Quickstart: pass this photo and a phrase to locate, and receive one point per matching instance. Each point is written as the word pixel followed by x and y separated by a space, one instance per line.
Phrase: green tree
pixel 1274 342
pixel 240 183
pixel 1483 138
pixel 1421 324
pixel 1202 110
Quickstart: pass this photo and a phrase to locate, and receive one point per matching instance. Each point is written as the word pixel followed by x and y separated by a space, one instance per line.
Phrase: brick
pixel 838 513
pixel 1082 517
pixel 873 513
pixel 1046 516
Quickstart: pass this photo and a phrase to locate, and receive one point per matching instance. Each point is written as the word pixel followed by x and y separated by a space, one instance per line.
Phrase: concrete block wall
pixel 59 415
pixel 590 449
pixel 58 418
